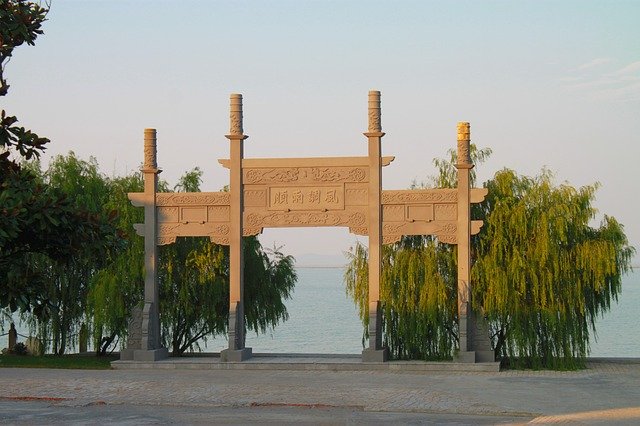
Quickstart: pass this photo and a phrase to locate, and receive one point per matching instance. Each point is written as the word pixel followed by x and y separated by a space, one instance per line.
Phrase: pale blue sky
pixel 553 84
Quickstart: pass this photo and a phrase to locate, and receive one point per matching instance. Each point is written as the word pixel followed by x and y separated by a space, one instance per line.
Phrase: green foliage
pixel 40 224
pixel 19 349
pixel 418 290
pixel 194 285
pixel 269 279
pixel 66 281
pixel 20 22
pixel 76 362
pixel 117 287
pixel 542 273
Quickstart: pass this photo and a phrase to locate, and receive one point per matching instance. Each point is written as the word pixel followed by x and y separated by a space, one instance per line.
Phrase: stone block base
pixel 237 355
pixel 475 356
pixel 375 355
pixel 150 355
pixel 126 355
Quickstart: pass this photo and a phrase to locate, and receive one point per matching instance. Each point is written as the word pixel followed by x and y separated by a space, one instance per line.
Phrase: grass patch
pixel 74 361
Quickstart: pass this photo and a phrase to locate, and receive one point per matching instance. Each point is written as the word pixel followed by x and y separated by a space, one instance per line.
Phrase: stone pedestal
pixel 478 341
pixel 13 337
pixel 235 355
pixel 375 355
pixel 150 354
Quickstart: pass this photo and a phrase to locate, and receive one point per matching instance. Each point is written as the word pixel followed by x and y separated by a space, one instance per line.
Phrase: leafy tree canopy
pixel 541 274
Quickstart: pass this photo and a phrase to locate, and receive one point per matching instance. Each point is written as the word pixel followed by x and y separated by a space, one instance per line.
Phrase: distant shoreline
pixel 321 266
pixel 344 266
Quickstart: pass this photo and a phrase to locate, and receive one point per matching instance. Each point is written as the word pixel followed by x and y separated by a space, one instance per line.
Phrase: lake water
pixel 324 320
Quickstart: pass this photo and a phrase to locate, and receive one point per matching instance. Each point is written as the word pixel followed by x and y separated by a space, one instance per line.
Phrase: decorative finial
pixel 236 114
pixel 375 124
pixel 464 138
pixel 150 161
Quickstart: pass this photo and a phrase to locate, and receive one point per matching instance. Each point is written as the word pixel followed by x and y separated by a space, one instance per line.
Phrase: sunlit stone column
pixel 475 345
pixel 151 347
pixel 375 352
pixel 464 233
pixel 236 351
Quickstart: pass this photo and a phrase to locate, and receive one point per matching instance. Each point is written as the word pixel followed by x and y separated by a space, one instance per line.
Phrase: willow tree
pixel 116 288
pixel 194 285
pixel 417 284
pixel 67 281
pixel 540 273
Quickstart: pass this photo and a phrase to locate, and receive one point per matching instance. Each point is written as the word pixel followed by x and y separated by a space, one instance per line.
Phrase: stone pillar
pixel 375 352
pixel 151 348
pixel 13 337
pixel 83 339
pixel 473 346
pixel 236 351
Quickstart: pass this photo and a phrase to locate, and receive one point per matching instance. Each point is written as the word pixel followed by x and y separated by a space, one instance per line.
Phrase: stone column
pixel 236 351
pixel 473 332
pixel 151 347
pixel 13 338
pixel 83 338
pixel 375 352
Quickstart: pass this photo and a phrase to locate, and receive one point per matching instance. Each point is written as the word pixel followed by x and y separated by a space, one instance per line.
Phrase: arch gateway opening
pixel 306 192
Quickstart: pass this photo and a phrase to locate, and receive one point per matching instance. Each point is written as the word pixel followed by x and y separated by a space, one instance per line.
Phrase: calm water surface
pixel 322 319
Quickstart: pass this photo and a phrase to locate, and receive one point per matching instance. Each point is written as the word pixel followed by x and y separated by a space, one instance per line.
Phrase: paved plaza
pixel 605 393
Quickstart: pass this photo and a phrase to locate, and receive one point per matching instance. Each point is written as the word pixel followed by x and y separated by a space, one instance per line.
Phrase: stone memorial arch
pixel 306 192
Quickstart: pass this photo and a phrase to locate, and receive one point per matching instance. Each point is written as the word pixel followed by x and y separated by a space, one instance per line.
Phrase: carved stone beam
pixel 445 231
pixel 438 195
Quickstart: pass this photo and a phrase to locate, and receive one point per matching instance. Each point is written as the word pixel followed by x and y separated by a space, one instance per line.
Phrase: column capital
pixel 464 146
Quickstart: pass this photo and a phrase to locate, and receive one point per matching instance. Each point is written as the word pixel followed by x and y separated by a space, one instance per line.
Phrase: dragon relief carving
pixel 419 196
pixel 338 174
pixel 305 174
pixel 195 198
pixel 221 230
pixel 166 229
pixel 150 156
pixel 374 120
pixel 392 228
pixel 253 220
pixel 247 232
pixel 357 219
pixel 280 174
pixel 223 241
pixel 165 240
pixel 359 230
pixel 448 228
pixel 390 239
pixel 235 119
pixel 447 238
pixel 463 152
pixel 256 220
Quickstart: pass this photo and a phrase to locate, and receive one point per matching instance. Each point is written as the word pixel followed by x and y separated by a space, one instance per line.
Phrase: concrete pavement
pixel 605 393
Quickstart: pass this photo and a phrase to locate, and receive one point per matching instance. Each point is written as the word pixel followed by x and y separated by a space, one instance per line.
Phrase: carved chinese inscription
pixel 306 198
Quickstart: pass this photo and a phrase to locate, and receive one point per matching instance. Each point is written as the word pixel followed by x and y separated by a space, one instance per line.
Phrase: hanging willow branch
pixel 540 274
